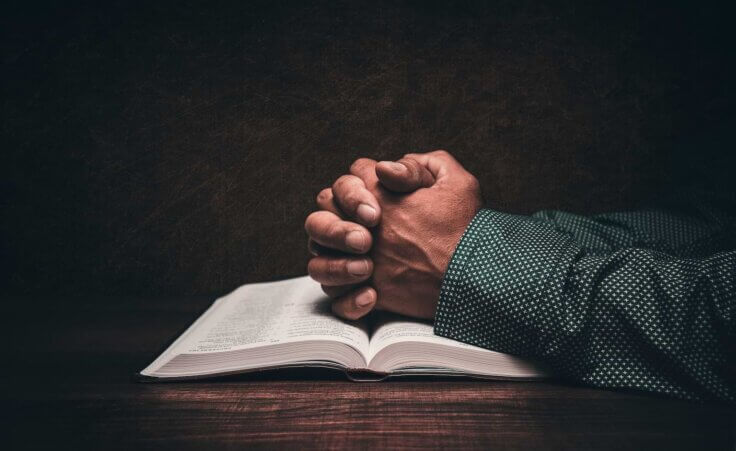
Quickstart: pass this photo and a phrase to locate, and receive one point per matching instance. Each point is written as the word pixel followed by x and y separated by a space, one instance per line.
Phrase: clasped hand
pixel 385 233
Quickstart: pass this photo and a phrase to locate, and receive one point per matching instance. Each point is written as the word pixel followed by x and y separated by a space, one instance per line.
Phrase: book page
pixel 400 344
pixel 271 313
pixel 390 328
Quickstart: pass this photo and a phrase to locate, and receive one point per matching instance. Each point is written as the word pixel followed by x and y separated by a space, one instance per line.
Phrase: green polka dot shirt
pixel 637 301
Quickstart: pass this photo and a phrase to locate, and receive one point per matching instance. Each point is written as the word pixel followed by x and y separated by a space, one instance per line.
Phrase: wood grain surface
pixel 66 382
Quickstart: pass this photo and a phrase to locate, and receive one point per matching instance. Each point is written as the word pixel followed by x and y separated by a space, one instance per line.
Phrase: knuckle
pixel 324 196
pixel 350 199
pixel 334 230
pixel 320 223
pixel 335 266
pixel 472 183
pixel 310 222
pixel 347 193
pixel 412 164
pixel 442 152
pixel 360 164
pixel 415 170
pixel 342 183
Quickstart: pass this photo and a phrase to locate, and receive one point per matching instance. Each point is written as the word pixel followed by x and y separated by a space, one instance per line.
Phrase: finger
pixel 404 176
pixel 355 304
pixel 338 290
pixel 356 201
pixel 439 162
pixel 317 249
pixel 326 201
pixel 327 229
pixel 334 271
pixel 365 168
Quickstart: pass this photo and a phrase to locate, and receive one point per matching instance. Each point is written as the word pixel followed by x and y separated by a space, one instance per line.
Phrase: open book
pixel 289 323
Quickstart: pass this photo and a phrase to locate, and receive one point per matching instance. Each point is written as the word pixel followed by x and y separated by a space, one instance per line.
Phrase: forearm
pixel 625 317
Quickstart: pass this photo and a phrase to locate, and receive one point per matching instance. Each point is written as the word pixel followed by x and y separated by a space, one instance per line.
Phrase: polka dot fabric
pixel 642 300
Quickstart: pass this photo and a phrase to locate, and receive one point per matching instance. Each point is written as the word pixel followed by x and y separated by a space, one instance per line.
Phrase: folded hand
pixel 385 233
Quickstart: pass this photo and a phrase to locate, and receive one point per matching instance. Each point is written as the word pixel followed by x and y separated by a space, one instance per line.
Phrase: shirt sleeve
pixel 642 301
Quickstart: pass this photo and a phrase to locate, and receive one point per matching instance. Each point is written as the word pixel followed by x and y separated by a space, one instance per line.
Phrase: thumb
pixel 404 176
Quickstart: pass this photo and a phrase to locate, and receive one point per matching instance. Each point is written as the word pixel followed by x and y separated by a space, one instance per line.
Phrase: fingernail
pixel 358 268
pixel 355 240
pixel 367 213
pixel 396 167
pixel 364 299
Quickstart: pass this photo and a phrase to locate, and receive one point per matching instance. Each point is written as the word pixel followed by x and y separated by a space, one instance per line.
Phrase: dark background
pixel 176 148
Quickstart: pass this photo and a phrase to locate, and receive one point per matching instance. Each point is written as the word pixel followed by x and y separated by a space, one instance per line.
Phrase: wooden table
pixel 67 383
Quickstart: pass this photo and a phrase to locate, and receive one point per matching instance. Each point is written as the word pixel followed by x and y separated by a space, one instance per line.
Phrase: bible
pixel 289 324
